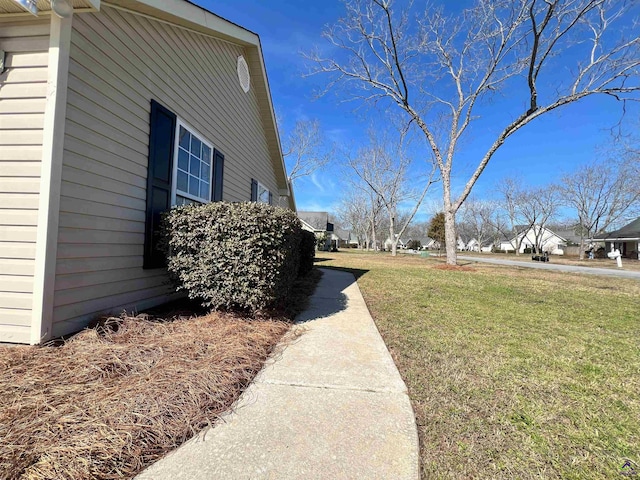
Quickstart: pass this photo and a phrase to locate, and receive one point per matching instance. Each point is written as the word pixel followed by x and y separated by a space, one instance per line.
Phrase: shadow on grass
pixel 318 260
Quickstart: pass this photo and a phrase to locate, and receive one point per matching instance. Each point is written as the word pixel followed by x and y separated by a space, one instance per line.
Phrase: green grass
pixel 513 373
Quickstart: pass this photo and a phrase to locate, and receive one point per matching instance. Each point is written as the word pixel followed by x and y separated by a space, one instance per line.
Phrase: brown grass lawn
pixel 512 372
pixel 113 399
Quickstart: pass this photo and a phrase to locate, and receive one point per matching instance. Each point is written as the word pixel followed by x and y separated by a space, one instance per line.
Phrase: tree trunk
pixel 392 237
pixel 518 244
pixel 450 240
pixel 581 245
pixel 373 235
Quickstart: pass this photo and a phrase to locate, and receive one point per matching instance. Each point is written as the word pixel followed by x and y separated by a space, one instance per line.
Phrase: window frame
pixel 266 190
pixel 174 179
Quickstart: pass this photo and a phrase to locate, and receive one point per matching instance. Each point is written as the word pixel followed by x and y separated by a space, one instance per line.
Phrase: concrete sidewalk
pixel 332 405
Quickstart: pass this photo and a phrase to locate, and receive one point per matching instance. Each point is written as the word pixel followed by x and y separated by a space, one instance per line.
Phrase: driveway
pixel 552 266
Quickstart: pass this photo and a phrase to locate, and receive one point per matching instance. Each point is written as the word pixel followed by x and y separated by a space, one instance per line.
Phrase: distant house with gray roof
pixel 318 223
pixel 625 239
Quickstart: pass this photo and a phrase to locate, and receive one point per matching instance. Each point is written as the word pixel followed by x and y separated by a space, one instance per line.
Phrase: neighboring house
pixel 318 223
pixel 570 235
pixel 430 244
pixel 344 238
pixel 461 244
pixel 421 240
pixel 474 245
pixel 401 243
pixel 547 240
pixel 572 248
pixel 107 118
pixel 625 239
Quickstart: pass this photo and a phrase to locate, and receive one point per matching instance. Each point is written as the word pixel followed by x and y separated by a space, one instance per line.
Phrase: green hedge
pixel 307 252
pixel 240 256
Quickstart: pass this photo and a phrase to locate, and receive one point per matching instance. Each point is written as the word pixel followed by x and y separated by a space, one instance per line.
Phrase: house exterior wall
pixel 119 62
pixel 549 241
pixel 23 88
pixel 628 249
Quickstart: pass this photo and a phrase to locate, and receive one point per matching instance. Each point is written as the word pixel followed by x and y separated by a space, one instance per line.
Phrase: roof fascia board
pixel 187 14
pixel 615 239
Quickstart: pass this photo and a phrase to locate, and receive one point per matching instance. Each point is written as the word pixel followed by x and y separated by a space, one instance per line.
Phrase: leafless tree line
pixel 380 195
pixel 599 195
pixel 440 70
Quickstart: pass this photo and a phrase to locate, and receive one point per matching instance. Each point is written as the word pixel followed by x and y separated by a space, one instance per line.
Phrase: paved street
pixel 551 266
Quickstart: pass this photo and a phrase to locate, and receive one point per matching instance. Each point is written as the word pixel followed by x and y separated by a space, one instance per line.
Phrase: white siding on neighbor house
pixel 119 62
pixel 23 87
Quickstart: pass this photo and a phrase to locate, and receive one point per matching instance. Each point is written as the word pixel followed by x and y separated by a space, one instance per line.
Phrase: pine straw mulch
pixel 114 398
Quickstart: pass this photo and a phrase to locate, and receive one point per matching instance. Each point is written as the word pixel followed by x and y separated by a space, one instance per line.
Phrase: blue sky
pixel 539 153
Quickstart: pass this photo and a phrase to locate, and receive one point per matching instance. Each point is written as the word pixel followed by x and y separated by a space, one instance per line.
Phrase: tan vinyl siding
pixel 119 62
pixel 23 88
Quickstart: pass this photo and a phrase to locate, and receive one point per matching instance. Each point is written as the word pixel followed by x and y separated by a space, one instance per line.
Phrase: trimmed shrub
pixel 234 256
pixel 307 252
pixel 414 245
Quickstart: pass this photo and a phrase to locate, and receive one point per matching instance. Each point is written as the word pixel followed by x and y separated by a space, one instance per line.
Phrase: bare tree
pixel 538 207
pixel 361 208
pixel 440 69
pixel 305 149
pixel 417 230
pixel 477 216
pixel 601 193
pixel 508 219
pixel 353 213
pixel 383 168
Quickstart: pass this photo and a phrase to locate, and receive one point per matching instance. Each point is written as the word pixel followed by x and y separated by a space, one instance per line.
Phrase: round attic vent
pixel 243 74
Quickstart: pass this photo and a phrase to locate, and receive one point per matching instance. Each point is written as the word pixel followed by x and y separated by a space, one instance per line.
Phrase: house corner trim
pixel 51 179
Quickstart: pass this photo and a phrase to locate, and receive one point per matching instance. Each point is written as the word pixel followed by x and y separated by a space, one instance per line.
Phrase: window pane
pixel 204 172
pixel 183 180
pixel 194 186
pixel 195 146
pixel 204 190
pixel 183 160
pixel 263 194
pixel 206 154
pixel 194 166
pixel 184 138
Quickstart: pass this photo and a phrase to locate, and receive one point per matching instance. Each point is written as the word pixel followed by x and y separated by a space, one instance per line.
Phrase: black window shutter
pixel 254 190
pixel 218 172
pixel 159 175
pixel 270 198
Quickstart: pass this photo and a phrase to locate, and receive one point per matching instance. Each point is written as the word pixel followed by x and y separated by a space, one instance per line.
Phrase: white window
pixel 263 194
pixel 192 167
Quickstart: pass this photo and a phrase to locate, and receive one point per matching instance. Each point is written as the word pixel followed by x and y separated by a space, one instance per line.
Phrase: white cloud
pixel 317 182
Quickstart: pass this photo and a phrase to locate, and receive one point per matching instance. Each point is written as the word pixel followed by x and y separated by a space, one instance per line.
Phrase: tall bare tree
pixel 477 216
pixel 439 68
pixel 601 193
pixel 361 209
pixel 382 166
pixel 305 149
pixel 508 219
pixel 353 213
pixel 539 206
